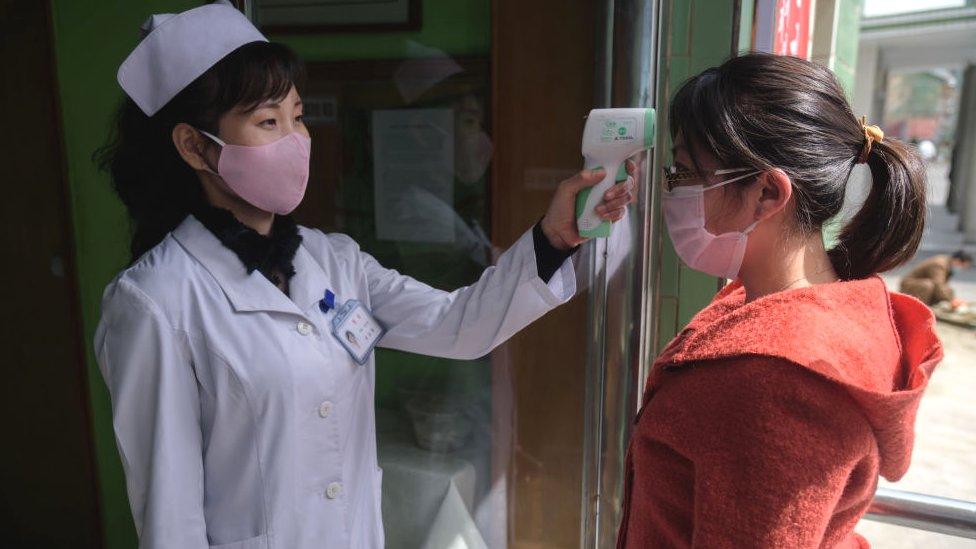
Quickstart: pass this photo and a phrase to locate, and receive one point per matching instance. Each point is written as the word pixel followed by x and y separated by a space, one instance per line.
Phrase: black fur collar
pixel 271 255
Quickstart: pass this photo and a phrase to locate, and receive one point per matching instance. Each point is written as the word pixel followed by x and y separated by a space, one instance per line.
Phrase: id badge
pixel 357 330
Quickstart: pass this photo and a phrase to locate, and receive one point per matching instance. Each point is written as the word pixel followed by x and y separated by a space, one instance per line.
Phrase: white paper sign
pixel 413 173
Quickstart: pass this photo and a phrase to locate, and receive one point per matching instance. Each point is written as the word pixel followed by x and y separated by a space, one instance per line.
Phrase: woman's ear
pixel 191 146
pixel 775 190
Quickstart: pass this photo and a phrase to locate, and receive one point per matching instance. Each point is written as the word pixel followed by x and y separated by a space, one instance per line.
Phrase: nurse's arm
pixel 531 278
pixel 156 416
pixel 470 321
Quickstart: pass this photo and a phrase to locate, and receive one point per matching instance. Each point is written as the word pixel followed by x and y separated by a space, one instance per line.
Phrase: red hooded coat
pixel 766 424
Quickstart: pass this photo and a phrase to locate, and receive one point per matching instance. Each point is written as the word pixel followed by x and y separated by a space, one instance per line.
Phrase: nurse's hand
pixel 559 224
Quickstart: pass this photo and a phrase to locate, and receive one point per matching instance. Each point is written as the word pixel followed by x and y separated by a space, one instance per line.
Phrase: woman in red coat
pixel 766 422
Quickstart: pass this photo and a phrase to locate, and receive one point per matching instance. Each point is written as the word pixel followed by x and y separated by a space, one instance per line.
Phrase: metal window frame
pixel 924 512
pixel 620 271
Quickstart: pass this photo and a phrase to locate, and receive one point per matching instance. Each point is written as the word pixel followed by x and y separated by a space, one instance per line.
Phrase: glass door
pixel 435 150
pixel 401 155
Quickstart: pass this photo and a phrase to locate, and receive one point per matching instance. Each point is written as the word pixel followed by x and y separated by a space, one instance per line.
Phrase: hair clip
pixel 871 134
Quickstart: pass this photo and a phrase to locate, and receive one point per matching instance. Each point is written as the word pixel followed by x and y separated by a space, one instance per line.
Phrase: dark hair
pixel 962 256
pixel 768 111
pixel 156 185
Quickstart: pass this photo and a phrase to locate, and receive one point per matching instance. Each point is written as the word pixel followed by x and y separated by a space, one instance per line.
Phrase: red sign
pixel 793 28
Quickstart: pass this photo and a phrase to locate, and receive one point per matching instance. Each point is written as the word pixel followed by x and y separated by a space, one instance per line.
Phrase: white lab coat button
pixel 304 328
pixel 325 409
pixel 333 490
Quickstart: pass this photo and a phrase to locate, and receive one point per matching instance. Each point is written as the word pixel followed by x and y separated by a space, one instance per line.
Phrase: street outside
pixel 944 461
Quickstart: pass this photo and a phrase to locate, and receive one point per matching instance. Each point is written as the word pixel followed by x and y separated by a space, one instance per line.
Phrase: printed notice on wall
pixel 413 173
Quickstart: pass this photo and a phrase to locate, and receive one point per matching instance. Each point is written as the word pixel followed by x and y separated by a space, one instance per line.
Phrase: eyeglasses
pixel 676 176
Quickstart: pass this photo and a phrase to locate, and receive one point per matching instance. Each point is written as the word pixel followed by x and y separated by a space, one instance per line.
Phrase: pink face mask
pixel 684 213
pixel 271 177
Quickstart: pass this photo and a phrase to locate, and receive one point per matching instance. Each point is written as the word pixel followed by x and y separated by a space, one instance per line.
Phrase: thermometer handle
pixel 589 220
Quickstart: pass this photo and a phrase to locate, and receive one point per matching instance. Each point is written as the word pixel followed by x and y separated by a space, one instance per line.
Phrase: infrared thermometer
pixel 610 137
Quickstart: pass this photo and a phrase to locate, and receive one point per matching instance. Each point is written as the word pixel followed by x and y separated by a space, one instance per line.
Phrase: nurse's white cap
pixel 178 48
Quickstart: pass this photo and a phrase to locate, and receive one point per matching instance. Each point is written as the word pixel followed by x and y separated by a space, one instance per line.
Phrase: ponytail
pixel 886 231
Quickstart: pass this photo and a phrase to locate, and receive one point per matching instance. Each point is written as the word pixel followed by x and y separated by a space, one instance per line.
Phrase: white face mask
pixel 684 213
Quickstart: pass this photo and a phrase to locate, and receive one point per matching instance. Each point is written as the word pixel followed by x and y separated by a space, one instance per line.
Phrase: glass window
pixel 401 164
pixel 405 160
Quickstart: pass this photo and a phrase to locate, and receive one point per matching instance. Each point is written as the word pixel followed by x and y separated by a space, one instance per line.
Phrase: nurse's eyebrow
pixel 277 104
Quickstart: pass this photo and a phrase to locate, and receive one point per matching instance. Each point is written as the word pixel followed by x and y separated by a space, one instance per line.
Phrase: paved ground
pixel 944 461
pixel 941 236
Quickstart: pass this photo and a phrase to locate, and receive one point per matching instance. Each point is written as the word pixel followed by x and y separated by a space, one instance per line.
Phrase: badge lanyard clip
pixel 327 303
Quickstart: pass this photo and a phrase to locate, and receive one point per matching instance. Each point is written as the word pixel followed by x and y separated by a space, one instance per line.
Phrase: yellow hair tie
pixel 871 134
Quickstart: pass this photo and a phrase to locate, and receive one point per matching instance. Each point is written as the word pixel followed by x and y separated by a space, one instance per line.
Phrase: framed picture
pixel 311 16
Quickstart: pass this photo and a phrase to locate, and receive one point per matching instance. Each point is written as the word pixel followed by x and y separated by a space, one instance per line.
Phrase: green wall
pixel 836 36
pixel 698 36
pixel 91 39
pixel 847 39
pixel 460 28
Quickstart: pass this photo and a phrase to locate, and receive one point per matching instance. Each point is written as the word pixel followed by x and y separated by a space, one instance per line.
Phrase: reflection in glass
pixel 401 165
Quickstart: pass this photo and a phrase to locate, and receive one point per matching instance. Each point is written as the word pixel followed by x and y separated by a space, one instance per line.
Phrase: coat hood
pixel 879 346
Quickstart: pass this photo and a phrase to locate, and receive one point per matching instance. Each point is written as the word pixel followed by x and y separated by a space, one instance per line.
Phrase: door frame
pixel 623 270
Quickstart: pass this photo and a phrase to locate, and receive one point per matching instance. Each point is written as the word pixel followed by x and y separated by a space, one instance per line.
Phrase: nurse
pixel 238 346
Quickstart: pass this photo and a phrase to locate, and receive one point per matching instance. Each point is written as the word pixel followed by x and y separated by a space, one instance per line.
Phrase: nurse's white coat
pixel 240 421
